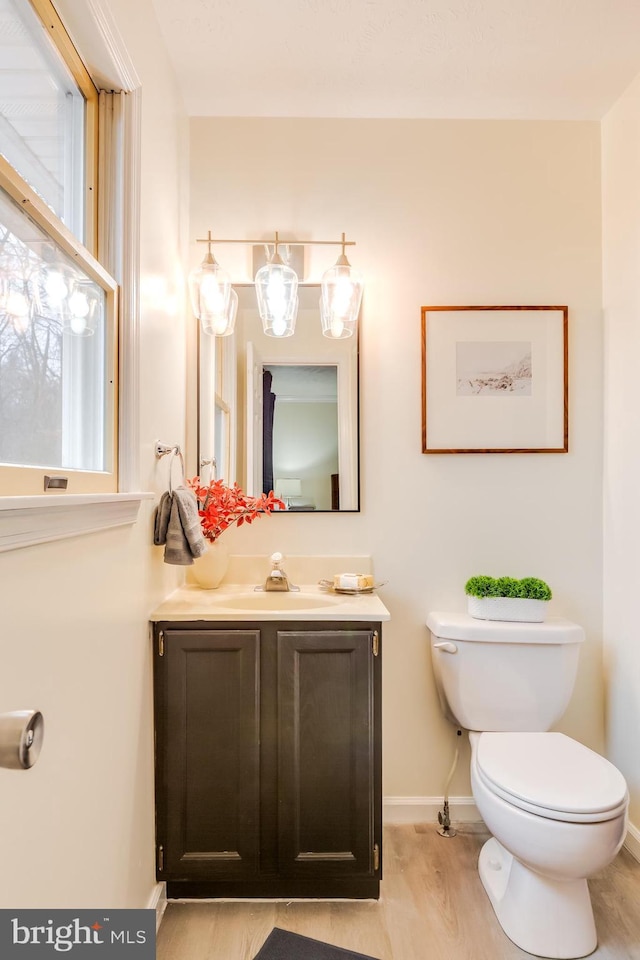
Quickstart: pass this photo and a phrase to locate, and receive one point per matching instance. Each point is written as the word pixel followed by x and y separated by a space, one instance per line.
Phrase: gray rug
pixel 282 945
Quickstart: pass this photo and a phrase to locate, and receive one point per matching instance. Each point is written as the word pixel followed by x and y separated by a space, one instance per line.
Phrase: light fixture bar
pixel 284 243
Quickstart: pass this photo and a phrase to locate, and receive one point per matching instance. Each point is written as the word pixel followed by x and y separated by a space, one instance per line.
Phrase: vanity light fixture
pixel 215 303
pixel 80 310
pixel 211 300
pixel 341 296
pixel 15 303
pixel 277 293
pixel 50 294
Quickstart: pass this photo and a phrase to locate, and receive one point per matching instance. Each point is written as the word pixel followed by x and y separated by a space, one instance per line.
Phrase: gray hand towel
pixel 162 519
pixel 185 539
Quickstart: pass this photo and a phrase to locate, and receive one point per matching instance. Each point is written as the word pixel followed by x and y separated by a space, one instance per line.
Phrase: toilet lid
pixel 551 775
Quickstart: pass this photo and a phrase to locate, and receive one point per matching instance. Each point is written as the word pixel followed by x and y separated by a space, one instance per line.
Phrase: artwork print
pixel 495 379
pixel 493 368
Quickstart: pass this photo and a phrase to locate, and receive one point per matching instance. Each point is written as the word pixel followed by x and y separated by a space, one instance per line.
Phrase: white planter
pixel 507 608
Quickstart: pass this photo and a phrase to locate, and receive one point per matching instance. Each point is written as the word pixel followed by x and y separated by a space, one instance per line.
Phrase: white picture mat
pixel 495 422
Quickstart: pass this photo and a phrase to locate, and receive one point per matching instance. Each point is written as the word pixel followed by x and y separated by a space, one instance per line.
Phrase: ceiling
pixel 530 59
pixel 304 383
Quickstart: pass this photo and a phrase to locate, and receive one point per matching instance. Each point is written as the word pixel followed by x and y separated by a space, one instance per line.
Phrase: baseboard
pixel 425 809
pixel 462 810
pixel 158 902
pixel 632 841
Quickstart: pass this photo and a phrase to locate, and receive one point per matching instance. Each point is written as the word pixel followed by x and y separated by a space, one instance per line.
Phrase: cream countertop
pixel 241 602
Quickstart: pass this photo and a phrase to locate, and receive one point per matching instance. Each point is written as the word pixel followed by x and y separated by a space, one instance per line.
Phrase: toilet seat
pixel 552 776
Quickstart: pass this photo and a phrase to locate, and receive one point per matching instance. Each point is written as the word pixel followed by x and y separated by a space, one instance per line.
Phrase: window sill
pixel 25 521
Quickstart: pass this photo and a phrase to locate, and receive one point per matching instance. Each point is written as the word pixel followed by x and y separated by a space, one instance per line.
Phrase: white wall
pixel 306 434
pixel 621 260
pixel 459 212
pixel 443 212
pixel 77 830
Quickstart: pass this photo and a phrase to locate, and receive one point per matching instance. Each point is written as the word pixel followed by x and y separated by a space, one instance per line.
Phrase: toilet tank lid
pixel 462 626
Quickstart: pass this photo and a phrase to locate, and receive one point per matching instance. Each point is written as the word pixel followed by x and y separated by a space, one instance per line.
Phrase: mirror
pixel 281 414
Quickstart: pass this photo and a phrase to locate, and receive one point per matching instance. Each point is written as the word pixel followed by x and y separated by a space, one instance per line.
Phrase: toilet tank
pixel 498 675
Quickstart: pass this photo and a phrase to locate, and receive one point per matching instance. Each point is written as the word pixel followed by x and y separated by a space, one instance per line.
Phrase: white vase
pixel 520 609
pixel 209 569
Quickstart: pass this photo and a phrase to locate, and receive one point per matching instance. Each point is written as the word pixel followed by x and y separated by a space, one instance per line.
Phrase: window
pixel 58 323
pixel 56 357
pixel 48 108
pixel 217 440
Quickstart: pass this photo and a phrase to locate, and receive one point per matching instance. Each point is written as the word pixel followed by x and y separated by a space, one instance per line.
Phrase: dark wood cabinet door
pixel 208 743
pixel 328 770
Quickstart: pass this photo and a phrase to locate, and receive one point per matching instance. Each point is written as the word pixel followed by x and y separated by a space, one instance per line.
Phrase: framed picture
pixel 494 380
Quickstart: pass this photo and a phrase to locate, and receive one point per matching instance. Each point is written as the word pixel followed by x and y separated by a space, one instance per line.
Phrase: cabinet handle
pixel 375 643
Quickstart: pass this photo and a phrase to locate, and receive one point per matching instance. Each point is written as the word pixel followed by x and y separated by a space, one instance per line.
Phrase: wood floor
pixel 433 907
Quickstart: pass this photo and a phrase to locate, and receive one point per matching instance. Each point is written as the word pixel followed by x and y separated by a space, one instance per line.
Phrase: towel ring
pixel 161 450
pixel 176 452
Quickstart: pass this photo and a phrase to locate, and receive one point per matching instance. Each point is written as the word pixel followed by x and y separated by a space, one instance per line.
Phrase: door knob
pixel 21 733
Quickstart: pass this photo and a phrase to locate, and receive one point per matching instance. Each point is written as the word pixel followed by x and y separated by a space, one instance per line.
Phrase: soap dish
pixel 350 592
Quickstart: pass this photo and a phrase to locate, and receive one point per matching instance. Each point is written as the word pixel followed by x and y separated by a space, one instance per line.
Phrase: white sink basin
pixel 239 602
pixel 282 600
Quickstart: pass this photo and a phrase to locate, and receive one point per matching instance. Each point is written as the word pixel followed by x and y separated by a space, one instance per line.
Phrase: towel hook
pixel 161 450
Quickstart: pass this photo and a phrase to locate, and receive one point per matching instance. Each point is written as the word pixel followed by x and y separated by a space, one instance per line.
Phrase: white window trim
pixel 26 521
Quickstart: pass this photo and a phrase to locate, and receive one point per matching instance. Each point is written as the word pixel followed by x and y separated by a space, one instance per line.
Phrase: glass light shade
pixel 81 310
pixel 56 287
pixel 16 301
pixel 222 324
pixel 341 298
pixel 210 290
pixel 17 308
pixel 277 293
pixel 334 326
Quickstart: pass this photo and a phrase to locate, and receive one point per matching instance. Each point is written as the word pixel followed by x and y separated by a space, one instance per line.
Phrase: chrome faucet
pixel 277 579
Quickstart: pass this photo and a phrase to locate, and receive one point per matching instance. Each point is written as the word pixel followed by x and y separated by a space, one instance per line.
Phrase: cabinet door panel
pixel 326 753
pixel 211 762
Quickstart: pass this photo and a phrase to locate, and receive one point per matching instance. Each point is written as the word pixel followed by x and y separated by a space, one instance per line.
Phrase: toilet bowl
pixel 557 812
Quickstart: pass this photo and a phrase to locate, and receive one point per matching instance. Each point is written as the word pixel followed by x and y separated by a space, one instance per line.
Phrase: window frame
pixel 29 520
pixel 28 480
pixel 54 27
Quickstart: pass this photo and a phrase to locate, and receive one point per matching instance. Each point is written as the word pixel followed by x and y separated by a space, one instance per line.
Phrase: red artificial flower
pixel 220 506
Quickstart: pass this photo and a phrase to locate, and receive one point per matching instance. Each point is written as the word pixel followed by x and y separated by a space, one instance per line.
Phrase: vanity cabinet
pixel 268 758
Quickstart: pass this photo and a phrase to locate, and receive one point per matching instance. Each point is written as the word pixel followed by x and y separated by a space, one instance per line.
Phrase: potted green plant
pixel 505 598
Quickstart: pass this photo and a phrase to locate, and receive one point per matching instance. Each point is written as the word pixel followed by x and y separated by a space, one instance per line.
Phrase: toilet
pixel 556 810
